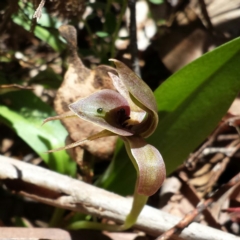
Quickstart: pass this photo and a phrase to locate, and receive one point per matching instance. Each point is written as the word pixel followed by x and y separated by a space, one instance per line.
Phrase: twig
pixel 233 122
pixel 36 16
pixel 200 208
pixel 205 15
pixel 64 192
pixel 38 13
pixel 133 37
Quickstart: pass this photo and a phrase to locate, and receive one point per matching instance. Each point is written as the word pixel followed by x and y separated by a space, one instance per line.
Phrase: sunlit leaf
pixel 25 113
pixel 46 29
pixel 156 1
pixel 102 34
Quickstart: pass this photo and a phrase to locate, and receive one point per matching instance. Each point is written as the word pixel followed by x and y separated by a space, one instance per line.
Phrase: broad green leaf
pixel 190 104
pixel 24 113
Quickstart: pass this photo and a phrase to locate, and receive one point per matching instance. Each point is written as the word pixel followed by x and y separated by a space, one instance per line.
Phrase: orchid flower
pixel 130 113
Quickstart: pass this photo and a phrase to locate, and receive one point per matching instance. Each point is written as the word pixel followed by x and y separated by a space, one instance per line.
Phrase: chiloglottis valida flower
pixel 130 113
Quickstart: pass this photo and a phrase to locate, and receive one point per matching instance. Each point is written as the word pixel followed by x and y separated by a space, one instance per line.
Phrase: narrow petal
pixel 149 164
pixel 105 108
pixel 59 117
pixel 72 145
pixel 101 134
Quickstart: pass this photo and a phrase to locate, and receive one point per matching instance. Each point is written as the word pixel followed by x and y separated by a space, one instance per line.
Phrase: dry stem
pixel 64 192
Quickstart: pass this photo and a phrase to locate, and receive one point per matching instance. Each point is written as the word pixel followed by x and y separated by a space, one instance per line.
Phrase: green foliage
pixel 190 104
pixel 24 115
pixel 102 34
pixel 46 29
pixel 156 1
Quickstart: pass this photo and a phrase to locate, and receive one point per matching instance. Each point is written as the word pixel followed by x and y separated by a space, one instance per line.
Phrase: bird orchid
pixel 130 113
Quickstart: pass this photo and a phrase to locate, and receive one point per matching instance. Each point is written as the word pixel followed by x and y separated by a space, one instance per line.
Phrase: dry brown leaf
pixel 235 107
pixel 222 203
pixel 191 31
pixel 67 8
pixel 236 195
pixel 80 82
pixel 224 17
pixel 183 47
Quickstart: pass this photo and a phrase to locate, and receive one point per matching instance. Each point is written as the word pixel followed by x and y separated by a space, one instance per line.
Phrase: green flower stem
pixel 56 217
pixel 139 202
pixel 93 225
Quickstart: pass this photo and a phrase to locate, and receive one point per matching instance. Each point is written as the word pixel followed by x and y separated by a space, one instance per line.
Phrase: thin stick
pixel 206 15
pixel 64 192
pixel 199 209
pixel 38 13
pixel 233 122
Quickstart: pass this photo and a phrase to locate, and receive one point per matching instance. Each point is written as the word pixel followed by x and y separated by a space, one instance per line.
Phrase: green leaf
pixel 156 1
pixel 25 113
pixel 102 34
pixel 190 105
pixel 46 29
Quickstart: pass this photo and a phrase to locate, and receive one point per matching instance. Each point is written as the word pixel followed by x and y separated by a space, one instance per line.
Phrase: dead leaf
pixel 235 107
pixel 80 82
